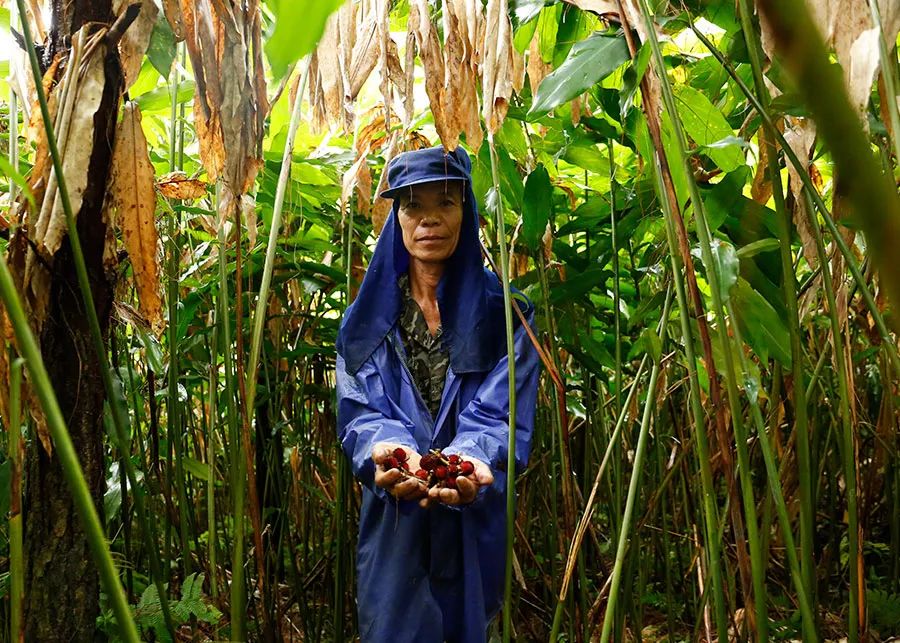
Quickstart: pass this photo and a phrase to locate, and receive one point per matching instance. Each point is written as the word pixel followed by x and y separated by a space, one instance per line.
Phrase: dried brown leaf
pixel 136 38
pixel 496 65
pixel 177 185
pixel 433 65
pixel 132 201
pixel 172 9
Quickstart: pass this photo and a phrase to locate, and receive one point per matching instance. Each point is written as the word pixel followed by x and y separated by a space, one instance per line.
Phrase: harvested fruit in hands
pixel 435 469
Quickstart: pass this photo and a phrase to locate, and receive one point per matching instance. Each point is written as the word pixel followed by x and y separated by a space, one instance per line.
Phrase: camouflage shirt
pixel 426 357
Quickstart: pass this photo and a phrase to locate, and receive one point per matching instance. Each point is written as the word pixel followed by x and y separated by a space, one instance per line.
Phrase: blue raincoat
pixel 432 575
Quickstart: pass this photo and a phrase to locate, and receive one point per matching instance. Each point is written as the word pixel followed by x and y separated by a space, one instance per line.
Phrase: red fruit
pixel 450 483
pixel 428 462
pixel 453 459
pixel 421 474
pixel 440 472
pixel 390 462
pixel 404 465
pixel 400 454
pixel 453 470
pixel 466 468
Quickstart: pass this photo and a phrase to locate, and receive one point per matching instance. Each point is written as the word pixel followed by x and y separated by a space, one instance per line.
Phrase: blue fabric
pixel 469 298
pixel 428 576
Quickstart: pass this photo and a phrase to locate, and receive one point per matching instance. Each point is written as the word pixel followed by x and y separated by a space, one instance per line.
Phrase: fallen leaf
pixel 177 185
pixel 131 199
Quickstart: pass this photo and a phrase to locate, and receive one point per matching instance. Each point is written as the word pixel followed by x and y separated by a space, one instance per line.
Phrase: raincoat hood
pixel 470 298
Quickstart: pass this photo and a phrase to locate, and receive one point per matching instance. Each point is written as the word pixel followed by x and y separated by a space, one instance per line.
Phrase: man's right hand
pixel 393 481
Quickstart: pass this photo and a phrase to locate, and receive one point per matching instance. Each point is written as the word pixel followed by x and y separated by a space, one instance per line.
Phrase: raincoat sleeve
pixel 364 420
pixel 483 426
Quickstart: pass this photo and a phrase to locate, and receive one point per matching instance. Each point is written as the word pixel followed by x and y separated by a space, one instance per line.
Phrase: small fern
pixel 884 612
pixel 149 614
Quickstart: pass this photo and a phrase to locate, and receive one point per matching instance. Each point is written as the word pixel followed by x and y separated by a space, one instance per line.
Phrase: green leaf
pixel 752 249
pixel 160 99
pixel 9 171
pixel 299 24
pixel 727 265
pixel 760 325
pixel 706 125
pixel 589 62
pixel 162 49
pixel 197 469
pixel 537 206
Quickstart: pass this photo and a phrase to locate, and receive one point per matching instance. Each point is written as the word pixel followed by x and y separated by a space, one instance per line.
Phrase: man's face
pixel 430 216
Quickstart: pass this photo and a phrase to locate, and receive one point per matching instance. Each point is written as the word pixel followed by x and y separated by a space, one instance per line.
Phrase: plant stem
pixel 16 458
pixel 740 434
pixel 511 360
pixel 801 423
pixel 634 483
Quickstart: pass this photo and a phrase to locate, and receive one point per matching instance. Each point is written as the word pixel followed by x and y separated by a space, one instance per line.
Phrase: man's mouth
pixel 431 238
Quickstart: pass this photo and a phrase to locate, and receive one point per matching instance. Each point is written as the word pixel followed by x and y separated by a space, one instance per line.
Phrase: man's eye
pixel 448 203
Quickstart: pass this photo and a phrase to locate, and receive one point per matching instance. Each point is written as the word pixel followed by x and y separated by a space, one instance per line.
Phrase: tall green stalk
pixel 888 63
pixel 237 461
pixel 615 262
pixel 120 422
pixel 637 470
pixel 16 452
pixel 740 433
pixel 173 406
pixel 511 360
pixel 710 511
pixel 801 424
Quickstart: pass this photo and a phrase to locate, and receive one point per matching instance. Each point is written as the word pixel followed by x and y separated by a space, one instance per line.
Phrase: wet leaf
pixel 589 62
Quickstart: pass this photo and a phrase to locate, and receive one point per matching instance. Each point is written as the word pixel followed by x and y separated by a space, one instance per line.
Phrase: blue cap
pixel 426 166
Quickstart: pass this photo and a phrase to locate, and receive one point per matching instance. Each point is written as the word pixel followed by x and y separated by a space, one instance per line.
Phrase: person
pixel 422 364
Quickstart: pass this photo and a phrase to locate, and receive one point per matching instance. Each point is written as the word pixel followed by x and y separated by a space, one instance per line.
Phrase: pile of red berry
pixel 436 469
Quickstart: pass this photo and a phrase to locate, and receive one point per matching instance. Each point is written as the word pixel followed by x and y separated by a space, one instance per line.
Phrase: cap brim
pixel 393 193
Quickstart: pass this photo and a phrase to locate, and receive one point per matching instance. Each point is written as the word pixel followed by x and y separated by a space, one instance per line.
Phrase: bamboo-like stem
pixel 889 344
pixel 801 423
pixel 117 414
pixel 16 458
pixel 872 193
pixel 173 406
pixel 740 433
pixel 511 359
pixel 848 446
pixel 212 532
pixel 237 463
pixel 710 511
pixel 615 262
pixel 634 483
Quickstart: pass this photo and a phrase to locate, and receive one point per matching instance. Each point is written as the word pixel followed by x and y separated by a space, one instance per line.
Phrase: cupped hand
pixel 466 487
pixel 394 481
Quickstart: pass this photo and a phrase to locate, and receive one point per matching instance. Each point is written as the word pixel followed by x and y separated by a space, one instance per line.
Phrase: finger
pixel 406 489
pixel 467 489
pixel 387 479
pixel 449 497
pixel 426 502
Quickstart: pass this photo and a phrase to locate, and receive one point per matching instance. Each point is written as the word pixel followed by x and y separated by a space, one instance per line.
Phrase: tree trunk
pixel 60 576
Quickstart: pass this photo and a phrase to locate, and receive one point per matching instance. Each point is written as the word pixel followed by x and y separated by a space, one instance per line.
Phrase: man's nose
pixel 430 219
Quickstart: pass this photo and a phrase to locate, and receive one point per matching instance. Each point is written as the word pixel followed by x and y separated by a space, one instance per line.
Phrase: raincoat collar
pixel 470 298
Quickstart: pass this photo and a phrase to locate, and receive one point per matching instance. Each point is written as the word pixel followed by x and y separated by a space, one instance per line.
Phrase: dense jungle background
pixel 700 197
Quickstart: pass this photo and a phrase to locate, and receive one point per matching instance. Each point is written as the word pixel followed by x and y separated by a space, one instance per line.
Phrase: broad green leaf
pixel 537 206
pixel 197 469
pixel 160 99
pixel 706 125
pixel 589 62
pixel 162 49
pixel 299 24
pixel 762 327
pixel 9 171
